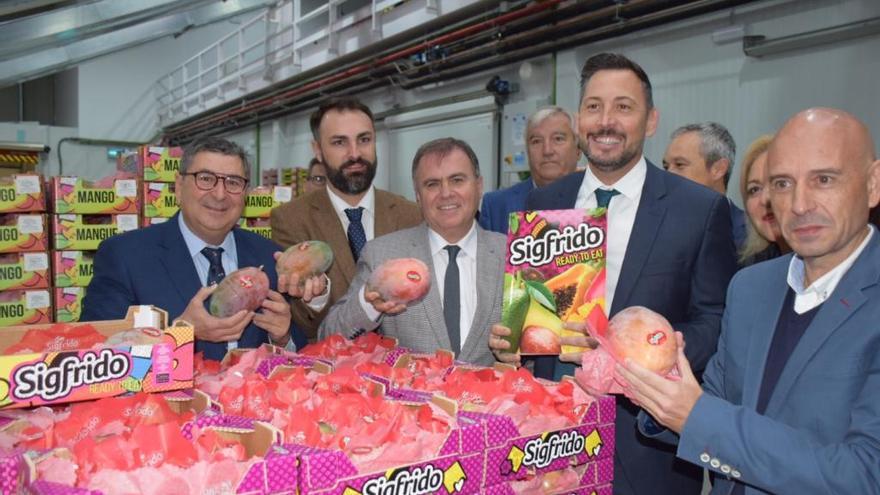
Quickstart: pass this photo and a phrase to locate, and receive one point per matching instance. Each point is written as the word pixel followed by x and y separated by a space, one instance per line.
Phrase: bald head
pixel 823 180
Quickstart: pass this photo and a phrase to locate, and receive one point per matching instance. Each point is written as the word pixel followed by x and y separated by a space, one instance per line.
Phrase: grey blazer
pixel 421 326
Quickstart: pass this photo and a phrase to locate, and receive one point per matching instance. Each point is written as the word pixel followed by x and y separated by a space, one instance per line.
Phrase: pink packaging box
pixel 76 195
pixel 22 193
pixel 160 164
pixel 23 232
pixel 24 271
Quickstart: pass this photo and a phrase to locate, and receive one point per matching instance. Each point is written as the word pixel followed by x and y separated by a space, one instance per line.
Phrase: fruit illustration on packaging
pixel 306 259
pixel 242 289
pixel 400 280
pixel 569 288
pixel 541 330
pixel 514 307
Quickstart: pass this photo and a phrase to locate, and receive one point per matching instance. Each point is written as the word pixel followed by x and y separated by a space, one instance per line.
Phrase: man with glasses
pixel 317 179
pixel 175 265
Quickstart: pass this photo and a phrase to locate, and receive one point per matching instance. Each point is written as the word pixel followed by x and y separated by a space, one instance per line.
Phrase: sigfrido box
pixel 76 195
pixel 78 232
pixel 160 164
pixel 260 200
pixel 24 271
pixel 40 378
pixel 22 193
pixel 72 268
pixel 159 200
pixel 23 232
pixel 24 306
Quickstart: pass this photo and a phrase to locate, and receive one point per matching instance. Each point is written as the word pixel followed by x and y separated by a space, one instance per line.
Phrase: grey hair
pixel 214 144
pixel 443 147
pixel 715 143
pixel 545 113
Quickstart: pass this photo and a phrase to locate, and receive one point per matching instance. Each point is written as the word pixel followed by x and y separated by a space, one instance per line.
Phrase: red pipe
pixel 453 36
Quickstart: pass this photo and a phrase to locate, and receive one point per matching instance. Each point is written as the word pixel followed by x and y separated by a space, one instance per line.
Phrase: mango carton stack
pixel 24 251
pixel 259 204
pixel 85 214
pixel 158 166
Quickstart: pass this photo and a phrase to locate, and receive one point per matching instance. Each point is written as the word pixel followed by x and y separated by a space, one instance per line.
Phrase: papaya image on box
pixel 260 200
pixel 68 303
pixel 24 271
pixel 22 193
pixel 159 200
pixel 72 268
pixel 160 163
pixel 79 232
pixel 25 307
pixel 555 274
pixel 111 195
pixel 23 233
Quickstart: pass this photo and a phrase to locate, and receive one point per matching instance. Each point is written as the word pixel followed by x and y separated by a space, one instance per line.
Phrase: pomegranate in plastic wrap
pixel 645 337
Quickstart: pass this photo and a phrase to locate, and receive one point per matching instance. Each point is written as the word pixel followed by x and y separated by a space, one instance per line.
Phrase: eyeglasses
pixel 318 179
pixel 207 181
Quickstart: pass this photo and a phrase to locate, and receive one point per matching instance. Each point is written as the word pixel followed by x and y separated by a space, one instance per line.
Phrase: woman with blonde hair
pixel 763 237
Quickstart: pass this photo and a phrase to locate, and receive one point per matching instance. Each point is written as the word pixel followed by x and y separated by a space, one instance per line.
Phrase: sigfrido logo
pixel 41 381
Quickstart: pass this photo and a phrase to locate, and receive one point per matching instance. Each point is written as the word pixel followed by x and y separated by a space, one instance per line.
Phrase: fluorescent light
pixel 758 46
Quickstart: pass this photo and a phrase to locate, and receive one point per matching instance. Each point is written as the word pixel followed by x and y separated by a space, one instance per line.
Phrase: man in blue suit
pixel 174 265
pixel 705 154
pixel 552 149
pixel 669 248
pixel 789 404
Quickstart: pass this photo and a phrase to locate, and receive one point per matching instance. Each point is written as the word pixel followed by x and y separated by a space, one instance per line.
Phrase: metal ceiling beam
pixel 18 8
pixel 71 24
pixel 53 60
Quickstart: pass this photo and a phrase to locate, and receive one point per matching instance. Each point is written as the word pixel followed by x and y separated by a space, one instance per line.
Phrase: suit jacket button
pixel 715 463
pixel 725 469
pixel 735 473
pixel 704 457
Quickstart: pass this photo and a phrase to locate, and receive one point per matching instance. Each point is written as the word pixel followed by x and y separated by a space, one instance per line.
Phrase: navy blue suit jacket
pixel 678 262
pixel 498 205
pixel 153 266
pixel 738 222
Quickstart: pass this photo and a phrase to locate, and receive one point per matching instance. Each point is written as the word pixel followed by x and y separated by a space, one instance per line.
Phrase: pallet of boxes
pixel 158 165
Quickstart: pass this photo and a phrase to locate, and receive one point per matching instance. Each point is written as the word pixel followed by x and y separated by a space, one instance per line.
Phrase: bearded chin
pixel 610 165
pixel 352 184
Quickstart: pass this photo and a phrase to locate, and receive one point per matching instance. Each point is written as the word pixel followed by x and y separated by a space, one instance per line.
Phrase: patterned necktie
pixel 213 350
pixel 603 196
pixel 452 301
pixel 356 236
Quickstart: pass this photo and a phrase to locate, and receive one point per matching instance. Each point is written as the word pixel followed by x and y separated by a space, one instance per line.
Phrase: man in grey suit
pixel 789 403
pixel 465 261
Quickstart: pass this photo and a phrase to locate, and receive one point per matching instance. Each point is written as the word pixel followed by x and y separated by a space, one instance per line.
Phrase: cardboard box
pixel 160 164
pixel 68 303
pixel 75 195
pixel 258 226
pixel 24 271
pixel 146 222
pixel 19 307
pixel 72 268
pixel 53 378
pixel 260 200
pixel 23 232
pixel 130 161
pixel 78 232
pixel 159 200
pixel 22 193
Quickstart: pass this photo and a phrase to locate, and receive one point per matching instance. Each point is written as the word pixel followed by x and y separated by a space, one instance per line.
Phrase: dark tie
pixel 356 236
pixel 451 300
pixel 603 196
pixel 213 350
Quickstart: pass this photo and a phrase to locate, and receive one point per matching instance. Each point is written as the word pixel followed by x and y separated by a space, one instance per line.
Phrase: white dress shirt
pixel 807 298
pixel 621 217
pixel 467 277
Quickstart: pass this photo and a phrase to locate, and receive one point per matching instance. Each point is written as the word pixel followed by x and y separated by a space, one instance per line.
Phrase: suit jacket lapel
pixel 433 306
pixel 764 320
pixel 330 227
pixel 846 299
pixel 486 292
pixel 652 209
pixel 178 264
pixel 384 222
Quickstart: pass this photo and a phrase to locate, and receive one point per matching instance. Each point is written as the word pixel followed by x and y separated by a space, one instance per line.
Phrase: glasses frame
pixel 217 178
pixel 318 179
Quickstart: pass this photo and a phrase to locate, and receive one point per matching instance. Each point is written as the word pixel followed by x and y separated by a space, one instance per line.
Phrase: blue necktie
pixel 356 235
pixel 213 350
pixel 603 199
pixel 452 300
pixel 603 196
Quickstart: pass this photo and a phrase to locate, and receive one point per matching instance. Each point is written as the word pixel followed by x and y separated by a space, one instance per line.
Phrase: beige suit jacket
pixel 312 217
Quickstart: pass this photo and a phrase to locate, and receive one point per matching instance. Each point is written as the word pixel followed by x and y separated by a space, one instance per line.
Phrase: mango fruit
pixel 541 330
pixel 306 259
pixel 514 307
pixel 400 280
pixel 242 289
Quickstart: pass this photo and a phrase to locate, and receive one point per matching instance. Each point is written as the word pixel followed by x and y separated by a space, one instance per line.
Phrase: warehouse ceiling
pixel 41 37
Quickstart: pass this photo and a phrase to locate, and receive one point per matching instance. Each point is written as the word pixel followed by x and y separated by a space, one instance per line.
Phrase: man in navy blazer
pixel 669 248
pixel 169 265
pixel 551 145
pixel 705 153
pixel 789 403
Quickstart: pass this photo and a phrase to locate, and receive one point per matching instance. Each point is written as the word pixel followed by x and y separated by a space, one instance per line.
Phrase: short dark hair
pixel 312 163
pixel 214 144
pixel 615 61
pixel 443 147
pixel 715 143
pixel 340 104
